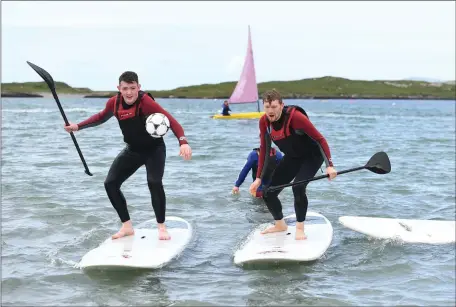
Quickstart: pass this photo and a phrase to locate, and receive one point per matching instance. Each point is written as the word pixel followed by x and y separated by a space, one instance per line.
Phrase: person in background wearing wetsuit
pixel 252 165
pixel 304 150
pixel 226 108
pixel 131 107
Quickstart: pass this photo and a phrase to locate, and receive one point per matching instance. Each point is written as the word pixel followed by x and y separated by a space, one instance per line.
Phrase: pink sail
pixel 246 90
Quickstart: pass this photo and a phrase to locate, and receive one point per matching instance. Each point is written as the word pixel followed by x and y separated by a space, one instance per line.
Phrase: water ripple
pixel 52 213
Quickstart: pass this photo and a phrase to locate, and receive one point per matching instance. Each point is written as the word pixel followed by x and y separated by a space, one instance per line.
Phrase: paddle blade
pixel 43 74
pixel 379 163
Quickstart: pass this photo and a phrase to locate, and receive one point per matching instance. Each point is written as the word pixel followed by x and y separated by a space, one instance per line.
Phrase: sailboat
pixel 246 90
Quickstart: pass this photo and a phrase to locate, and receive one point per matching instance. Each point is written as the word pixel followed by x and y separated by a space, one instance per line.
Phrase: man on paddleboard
pixel 131 107
pixel 304 150
pixel 252 165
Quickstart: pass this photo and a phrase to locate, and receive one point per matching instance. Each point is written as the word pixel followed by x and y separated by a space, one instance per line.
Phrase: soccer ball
pixel 157 125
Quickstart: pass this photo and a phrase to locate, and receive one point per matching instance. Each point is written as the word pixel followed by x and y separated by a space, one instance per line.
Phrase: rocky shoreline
pixel 288 97
pixel 21 95
pixel 323 88
pixel 358 97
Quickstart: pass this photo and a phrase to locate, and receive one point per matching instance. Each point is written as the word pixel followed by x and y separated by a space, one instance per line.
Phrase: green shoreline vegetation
pixel 313 88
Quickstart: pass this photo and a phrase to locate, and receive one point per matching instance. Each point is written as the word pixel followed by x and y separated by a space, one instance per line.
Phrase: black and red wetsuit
pixel 304 150
pixel 141 149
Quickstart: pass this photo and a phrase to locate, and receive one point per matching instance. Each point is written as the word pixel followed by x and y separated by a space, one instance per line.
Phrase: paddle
pixel 50 82
pixel 379 163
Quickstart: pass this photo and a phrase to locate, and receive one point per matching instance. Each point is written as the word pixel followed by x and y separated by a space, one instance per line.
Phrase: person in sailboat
pixel 131 107
pixel 226 108
pixel 251 164
pixel 304 149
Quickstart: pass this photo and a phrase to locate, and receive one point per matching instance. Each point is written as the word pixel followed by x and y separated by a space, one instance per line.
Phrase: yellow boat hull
pixel 247 115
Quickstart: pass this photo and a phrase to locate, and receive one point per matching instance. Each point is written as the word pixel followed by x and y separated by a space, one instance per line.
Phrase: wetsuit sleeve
pixel 300 122
pixel 245 170
pixel 150 106
pixel 279 156
pixel 100 117
pixel 265 143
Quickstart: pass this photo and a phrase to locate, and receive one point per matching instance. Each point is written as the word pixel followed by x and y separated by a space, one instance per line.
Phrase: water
pixel 53 213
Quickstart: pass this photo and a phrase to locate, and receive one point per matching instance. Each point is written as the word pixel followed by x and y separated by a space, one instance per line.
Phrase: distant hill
pixel 25 89
pixel 431 80
pixel 318 88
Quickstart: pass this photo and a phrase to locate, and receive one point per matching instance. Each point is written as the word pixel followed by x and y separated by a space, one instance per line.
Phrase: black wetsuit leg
pixel 289 168
pixel 155 167
pixel 284 173
pixel 125 164
pixel 308 169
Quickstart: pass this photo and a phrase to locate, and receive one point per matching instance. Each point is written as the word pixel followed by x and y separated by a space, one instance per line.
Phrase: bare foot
pixel 163 233
pixel 279 226
pixel 123 232
pixel 300 235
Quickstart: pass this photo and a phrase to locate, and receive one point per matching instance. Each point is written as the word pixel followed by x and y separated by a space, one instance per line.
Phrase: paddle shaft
pixel 71 133
pixel 60 106
pixel 273 188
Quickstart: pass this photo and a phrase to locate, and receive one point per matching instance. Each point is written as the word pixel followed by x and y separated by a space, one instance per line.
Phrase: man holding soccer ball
pixel 132 108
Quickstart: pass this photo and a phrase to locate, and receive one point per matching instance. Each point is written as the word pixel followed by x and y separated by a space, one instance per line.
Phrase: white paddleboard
pixel 143 250
pixel 283 246
pixel 406 230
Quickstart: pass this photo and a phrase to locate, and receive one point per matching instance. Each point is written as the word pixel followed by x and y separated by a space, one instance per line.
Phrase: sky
pixel 173 44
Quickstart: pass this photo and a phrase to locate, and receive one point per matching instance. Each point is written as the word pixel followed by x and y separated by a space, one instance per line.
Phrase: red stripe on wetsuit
pixel 147 106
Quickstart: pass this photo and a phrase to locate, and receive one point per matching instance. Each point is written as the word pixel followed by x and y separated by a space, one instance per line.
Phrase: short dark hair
pixel 272 95
pixel 128 77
